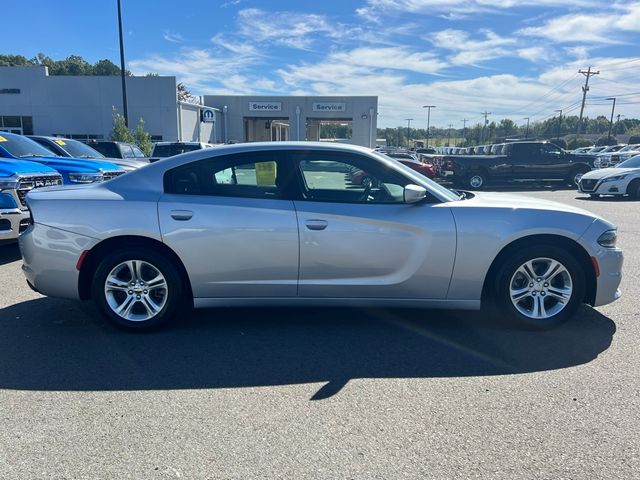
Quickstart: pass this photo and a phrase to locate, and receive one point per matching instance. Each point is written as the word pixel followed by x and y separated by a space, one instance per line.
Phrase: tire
pixel 475 181
pixel 595 196
pixel 574 178
pixel 535 294
pixel 144 305
pixel 633 189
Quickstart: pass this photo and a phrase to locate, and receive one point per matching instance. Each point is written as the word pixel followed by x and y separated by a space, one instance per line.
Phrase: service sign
pixel 265 106
pixel 329 107
pixel 208 115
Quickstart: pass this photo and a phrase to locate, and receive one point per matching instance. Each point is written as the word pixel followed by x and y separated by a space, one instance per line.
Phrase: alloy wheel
pixel 136 290
pixel 540 288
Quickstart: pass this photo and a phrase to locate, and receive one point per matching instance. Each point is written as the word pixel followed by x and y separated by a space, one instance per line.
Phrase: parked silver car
pixel 281 224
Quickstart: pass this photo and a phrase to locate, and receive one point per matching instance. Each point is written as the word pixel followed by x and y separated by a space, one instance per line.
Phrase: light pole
pixel 526 135
pixel 408 130
pixel 428 107
pixel 613 107
pixel 122 72
pixel 559 124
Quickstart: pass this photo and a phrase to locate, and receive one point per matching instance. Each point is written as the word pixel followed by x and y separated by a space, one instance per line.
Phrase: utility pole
pixel 408 130
pixel 464 131
pixel 585 89
pixel 484 126
pixel 122 72
pixel 615 132
pixel 526 135
pixel 428 107
pixel 449 136
pixel 613 107
pixel 559 124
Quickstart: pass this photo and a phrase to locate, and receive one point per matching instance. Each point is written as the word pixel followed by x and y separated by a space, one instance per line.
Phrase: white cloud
pixel 534 54
pixel 471 51
pixel 290 29
pixel 172 37
pixel 596 27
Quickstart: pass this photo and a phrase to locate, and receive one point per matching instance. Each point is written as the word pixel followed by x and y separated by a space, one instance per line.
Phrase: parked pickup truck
pixel 73 170
pixel 519 161
pixel 17 178
pixel 169 149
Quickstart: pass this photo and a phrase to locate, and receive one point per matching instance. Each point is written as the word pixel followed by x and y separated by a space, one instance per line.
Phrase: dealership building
pixel 81 107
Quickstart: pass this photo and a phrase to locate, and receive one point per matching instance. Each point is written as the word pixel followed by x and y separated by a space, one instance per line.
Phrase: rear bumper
pixel 50 257
pixel 13 221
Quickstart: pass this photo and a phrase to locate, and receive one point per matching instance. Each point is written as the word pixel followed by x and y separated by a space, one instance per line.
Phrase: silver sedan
pixel 288 224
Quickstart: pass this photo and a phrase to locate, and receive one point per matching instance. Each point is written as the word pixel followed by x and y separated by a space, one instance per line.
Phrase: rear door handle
pixel 316 224
pixel 181 215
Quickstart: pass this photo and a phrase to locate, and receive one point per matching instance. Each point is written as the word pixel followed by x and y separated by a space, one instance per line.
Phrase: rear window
pixel 107 149
pixel 173 149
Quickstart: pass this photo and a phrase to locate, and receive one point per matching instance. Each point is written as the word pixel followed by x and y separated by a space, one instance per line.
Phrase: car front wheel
pixel 540 287
pixel 476 181
pixel 137 289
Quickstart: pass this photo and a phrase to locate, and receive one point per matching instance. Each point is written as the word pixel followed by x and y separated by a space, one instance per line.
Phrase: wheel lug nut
pixel 543 294
pixel 534 294
pixel 133 284
pixel 531 285
pixel 145 292
pixel 546 284
pixel 138 297
pixel 130 292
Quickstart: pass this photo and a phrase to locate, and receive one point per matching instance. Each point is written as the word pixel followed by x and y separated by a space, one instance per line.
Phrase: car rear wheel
pixel 476 181
pixel 137 289
pixel 540 287
pixel 576 176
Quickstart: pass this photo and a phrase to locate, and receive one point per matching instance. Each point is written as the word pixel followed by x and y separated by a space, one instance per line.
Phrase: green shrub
pixel 578 143
pixel 634 139
pixel 606 141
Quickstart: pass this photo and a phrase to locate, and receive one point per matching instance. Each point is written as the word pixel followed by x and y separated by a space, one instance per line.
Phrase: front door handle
pixel 316 224
pixel 181 215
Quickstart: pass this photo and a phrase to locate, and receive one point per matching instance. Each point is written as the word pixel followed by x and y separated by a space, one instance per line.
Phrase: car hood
pixel 516 202
pixel 11 167
pixel 607 172
pixel 76 164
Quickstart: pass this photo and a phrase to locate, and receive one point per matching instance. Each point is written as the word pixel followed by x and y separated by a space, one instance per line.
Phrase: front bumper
pixel 598 187
pixel 13 222
pixel 610 262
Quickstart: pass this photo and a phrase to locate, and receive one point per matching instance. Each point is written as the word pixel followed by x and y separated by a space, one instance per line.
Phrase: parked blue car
pixel 17 178
pixel 73 170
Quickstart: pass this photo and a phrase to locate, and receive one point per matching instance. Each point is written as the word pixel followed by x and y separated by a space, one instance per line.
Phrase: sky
pixel 511 58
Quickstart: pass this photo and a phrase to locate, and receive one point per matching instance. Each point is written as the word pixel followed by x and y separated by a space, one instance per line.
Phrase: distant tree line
pixel 549 129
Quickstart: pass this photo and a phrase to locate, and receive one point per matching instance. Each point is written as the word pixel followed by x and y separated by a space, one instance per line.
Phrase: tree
pixel 119 130
pixel 105 68
pixel 578 143
pixel 142 138
pixel 560 143
pixel 184 95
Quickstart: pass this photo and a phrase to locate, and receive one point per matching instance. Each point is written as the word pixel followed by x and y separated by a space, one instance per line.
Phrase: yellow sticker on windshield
pixel 266 174
pixel 2 139
pixel 60 142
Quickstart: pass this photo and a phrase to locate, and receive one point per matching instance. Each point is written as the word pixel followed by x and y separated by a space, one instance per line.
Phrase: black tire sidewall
pixel 166 267
pixel 514 261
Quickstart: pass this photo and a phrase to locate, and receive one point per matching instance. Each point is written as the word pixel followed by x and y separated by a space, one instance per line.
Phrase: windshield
pixel 633 162
pixel 21 147
pixel 174 149
pixel 77 149
pixel 629 148
pixel 421 180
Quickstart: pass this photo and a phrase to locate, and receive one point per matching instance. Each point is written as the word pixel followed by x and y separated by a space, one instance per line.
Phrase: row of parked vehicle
pixel 609 156
pixel 34 161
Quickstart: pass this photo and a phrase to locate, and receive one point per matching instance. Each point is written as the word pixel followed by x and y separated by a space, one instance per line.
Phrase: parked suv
pixel 169 149
pixel 65 147
pixel 117 149
pixel 17 178
pixel 73 170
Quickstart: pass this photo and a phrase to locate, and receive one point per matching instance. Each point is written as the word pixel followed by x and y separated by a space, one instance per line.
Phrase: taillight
pixel 450 165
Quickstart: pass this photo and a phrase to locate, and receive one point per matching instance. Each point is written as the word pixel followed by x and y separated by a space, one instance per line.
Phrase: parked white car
pixel 621 180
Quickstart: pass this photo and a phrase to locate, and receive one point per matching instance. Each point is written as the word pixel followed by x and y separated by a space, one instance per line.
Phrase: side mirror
pixel 414 194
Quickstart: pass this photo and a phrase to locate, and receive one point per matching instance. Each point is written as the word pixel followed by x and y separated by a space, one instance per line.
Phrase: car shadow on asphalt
pixel 55 345
pixel 9 253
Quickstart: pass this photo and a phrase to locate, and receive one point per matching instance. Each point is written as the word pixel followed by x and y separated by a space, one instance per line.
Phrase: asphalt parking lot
pixel 322 393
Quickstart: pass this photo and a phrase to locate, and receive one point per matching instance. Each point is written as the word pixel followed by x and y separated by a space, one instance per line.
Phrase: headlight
pixel 608 239
pixel 613 179
pixel 7 201
pixel 9 183
pixel 85 177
